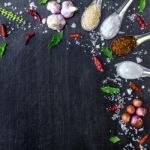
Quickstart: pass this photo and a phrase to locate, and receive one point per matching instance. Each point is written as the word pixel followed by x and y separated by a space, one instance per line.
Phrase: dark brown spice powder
pixel 123 45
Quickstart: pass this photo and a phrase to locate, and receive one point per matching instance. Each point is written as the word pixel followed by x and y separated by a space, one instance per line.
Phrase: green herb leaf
pixel 114 139
pixel 43 1
pixel 56 39
pixel 142 5
pixel 2 49
pixel 110 90
pixel 107 52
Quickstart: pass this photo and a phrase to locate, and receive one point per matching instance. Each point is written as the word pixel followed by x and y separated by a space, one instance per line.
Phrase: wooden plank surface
pixel 51 99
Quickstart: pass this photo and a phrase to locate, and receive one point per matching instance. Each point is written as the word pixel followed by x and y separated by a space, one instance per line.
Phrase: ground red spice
pixel 123 45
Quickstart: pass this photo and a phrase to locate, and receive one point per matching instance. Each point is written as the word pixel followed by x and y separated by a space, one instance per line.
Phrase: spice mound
pixel 91 17
pixel 123 45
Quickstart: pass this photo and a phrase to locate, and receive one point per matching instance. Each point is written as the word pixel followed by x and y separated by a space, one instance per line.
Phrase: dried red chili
pixel 76 36
pixel 144 139
pixel 114 108
pixel 141 22
pixel 136 87
pixel 3 30
pixel 29 36
pixel 34 14
pixel 98 64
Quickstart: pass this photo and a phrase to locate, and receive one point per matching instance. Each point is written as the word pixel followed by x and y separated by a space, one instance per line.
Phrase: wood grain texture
pixel 51 99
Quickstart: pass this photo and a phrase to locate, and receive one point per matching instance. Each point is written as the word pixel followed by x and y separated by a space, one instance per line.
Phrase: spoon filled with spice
pixel 91 16
pixel 131 70
pixel 123 45
pixel 112 24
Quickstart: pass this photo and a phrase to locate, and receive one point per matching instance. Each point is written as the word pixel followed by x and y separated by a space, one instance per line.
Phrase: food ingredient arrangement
pixel 129 116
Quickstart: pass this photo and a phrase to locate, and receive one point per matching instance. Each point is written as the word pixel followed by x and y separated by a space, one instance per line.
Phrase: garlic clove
pixel 68 9
pixel 54 7
pixel 56 22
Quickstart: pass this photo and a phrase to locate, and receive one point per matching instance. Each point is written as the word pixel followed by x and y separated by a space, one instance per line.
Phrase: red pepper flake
pixel 29 36
pixel 114 108
pixel 3 30
pixel 136 87
pixel 76 36
pixel 34 14
pixel 141 22
pixel 144 139
pixel 98 64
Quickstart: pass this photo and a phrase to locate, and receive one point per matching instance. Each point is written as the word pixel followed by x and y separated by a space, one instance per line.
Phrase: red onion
pixel 131 109
pixel 125 117
pixel 137 102
pixel 141 111
pixel 137 122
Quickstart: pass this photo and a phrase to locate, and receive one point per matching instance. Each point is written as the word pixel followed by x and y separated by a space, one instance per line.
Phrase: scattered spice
pixel 2 49
pixel 76 36
pixel 114 139
pixel 142 5
pixel 136 87
pixel 3 31
pixel 144 139
pixel 110 90
pixel 107 52
pixel 56 39
pixel 34 14
pixel 141 22
pixel 29 36
pixel 114 108
pixel 98 64
pixel 123 45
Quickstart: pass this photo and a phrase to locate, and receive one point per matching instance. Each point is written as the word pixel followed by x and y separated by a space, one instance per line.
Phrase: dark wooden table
pixel 51 99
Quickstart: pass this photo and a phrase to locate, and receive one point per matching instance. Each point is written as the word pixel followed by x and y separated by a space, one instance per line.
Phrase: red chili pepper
pixel 141 22
pixel 144 139
pixel 76 36
pixel 136 87
pixel 3 30
pixel 114 108
pixel 34 14
pixel 29 36
pixel 98 64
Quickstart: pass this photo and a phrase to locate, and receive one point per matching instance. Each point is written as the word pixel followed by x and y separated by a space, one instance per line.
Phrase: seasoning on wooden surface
pixel 76 36
pixel 91 17
pixel 141 22
pixel 3 30
pixel 98 64
pixel 114 108
pixel 34 14
pixel 144 139
pixel 123 45
pixel 29 36
pixel 136 87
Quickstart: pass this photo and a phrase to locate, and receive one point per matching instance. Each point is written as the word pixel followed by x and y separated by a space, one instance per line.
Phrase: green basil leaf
pixel 107 52
pixel 56 39
pixel 2 49
pixel 114 139
pixel 142 5
pixel 43 1
pixel 110 90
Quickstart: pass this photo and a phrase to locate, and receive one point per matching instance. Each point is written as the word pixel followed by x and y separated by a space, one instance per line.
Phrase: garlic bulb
pixel 54 7
pixel 68 9
pixel 56 22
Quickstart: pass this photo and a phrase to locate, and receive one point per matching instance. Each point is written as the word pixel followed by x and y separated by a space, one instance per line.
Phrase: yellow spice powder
pixel 91 17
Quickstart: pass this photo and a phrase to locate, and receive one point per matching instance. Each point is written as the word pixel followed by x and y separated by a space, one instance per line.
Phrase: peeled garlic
pixel 68 9
pixel 56 22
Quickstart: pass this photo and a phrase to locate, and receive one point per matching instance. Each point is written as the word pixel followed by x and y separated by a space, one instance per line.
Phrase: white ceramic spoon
pixel 131 70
